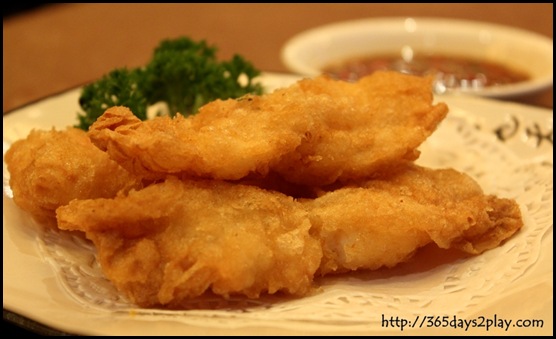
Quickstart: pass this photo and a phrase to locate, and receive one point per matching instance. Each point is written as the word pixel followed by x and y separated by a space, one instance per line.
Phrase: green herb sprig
pixel 183 73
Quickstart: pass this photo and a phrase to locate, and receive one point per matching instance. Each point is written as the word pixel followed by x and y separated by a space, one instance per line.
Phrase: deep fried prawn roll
pixel 176 240
pixel 383 222
pixel 48 169
pixel 314 132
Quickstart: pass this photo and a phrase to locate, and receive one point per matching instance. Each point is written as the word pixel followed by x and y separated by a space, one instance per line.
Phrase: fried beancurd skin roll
pixel 383 222
pixel 50 168
pixel 176 240
pixel 314 132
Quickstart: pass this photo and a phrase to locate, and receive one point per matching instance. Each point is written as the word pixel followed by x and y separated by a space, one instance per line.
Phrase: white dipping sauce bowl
pixel 309 52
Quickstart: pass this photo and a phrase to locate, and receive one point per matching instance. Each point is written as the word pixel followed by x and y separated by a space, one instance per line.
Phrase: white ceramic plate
pixel 53 279
pixel 308 52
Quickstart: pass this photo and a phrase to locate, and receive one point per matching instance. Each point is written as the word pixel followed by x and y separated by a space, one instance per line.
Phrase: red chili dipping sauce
pixel 450 72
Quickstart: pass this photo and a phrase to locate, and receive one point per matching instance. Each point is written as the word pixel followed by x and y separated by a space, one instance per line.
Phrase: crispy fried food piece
pixel 175 240
pixel 48 169
pixel 383 222
pixel 312 133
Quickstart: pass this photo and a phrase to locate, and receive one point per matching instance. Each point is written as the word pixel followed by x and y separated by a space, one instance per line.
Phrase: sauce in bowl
pixel 450 72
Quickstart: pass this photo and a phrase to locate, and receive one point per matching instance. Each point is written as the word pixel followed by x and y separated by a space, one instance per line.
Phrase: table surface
pixel 59 46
